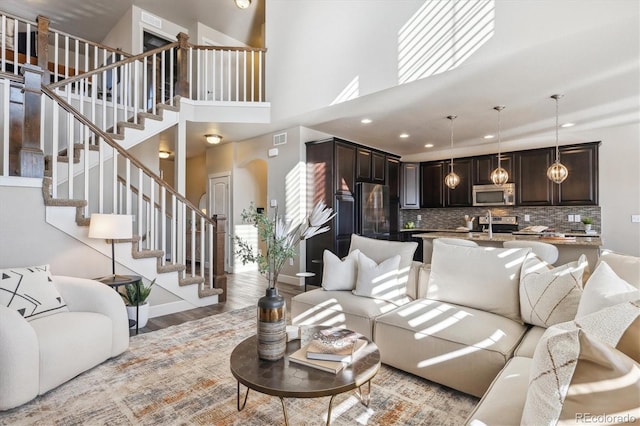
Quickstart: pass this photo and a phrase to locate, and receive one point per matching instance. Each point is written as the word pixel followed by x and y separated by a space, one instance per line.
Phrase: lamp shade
pixel 111 226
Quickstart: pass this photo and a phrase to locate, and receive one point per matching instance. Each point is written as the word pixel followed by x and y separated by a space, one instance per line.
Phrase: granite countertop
pixel 479 236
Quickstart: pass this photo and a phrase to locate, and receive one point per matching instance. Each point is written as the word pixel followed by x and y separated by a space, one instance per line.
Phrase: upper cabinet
pixel 345 158
pixel 378 167
pixel 533 188
pixel 431 184
pixel 485 164
pixel 363 165
pixel 410 194
pixel 461 195
pixel 581 186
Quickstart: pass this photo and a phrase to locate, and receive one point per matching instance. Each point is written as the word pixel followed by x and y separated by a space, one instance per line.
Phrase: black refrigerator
pixel 372 210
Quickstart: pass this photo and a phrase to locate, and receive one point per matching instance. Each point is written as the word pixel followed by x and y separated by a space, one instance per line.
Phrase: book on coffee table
pixel 300 357
pixel 343 353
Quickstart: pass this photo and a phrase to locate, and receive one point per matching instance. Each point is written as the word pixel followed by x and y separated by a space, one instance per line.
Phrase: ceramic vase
pixel 272 326
pixel 587 227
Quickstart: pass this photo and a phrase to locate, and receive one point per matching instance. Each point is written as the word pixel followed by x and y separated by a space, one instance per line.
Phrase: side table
pixel 116 281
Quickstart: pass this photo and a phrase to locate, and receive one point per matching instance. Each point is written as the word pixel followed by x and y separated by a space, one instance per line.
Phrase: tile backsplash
pixel 554 217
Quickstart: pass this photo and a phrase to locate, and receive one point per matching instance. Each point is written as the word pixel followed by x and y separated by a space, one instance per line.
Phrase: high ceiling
pixel 590 51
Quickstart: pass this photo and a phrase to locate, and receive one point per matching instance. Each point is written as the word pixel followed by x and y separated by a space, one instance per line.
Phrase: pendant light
pixel 499 176
pixel 557 172
pixel 452 179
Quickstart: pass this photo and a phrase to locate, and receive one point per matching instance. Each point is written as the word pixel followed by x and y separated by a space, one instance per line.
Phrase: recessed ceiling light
pixel 213 139
pixel 489 136
pixel 568 125
pixel 164 154
pixel 429 145
pixel 366 120
pixel 404 135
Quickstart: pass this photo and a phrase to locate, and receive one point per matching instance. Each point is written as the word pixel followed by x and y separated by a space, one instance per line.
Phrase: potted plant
pixel 281 238
pixel 587 221
pixel 132 299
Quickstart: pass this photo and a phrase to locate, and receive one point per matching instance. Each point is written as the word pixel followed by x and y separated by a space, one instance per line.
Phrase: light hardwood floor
pixel 243 289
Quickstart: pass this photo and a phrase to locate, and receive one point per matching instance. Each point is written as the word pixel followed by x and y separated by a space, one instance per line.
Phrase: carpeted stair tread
pixel 65 202
pixel 209 292
pixel 168 107
pixel 150 116
pixel 190 281
pixel 170 267
pixel 146 254
pixel 137 126
pixel 117 136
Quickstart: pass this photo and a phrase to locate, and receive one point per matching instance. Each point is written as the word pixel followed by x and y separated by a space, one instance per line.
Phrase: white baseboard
pixel 169 308
pixel 24 182
pixel 288 279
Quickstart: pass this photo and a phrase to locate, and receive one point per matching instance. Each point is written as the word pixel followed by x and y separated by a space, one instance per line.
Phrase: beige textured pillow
pixel 575 375
pixel 478 277
pixel 603 289
pixel 550 296
pixel 339 274
pixel 379 281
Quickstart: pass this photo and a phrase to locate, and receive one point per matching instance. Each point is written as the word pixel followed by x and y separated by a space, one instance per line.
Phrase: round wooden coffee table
pixel 290 380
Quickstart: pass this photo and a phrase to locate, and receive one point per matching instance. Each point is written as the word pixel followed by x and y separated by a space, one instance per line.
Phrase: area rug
pixel 180 376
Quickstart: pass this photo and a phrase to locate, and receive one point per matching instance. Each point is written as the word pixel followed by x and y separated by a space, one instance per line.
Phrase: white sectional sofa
pixel 460 323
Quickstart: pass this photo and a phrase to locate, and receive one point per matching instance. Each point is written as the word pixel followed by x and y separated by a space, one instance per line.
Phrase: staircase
pixel 89 119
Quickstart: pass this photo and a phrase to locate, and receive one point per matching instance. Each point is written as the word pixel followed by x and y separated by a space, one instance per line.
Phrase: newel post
pixel 219 276
pixel 182 84
pixel 43 47
pixel 29 158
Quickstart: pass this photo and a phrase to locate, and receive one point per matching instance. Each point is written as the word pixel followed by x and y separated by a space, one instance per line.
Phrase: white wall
pixel 120 34
pixel 620 187
pixel 206 35
pixel 316 48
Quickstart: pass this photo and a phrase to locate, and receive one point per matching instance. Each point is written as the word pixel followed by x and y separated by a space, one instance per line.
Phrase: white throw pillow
pixel 626 267
pixel 484 278
pixel 550 296
pixel 603 289
pixel 574 373
pixel 380 281
pixel 31 292
pixel 380 250
pixel 339 274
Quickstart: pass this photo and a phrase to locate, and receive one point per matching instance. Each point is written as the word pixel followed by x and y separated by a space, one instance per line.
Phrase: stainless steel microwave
pixel 494 195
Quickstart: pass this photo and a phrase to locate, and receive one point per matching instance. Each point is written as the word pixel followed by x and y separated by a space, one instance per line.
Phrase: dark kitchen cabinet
pixel 410 193
pixel 461 195
pixel 485 164
pixel 393 181
pixel 581 186
pixel 333 168
pixel 378 167
pixel 408 236
pixel 345 158
pixel 533 188
pixel 363 165
pixel 432 184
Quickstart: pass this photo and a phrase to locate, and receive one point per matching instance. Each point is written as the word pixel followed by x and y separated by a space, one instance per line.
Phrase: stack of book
pixel 330 350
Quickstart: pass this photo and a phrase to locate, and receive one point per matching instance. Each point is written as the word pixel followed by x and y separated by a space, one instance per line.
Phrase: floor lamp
pixel 111 227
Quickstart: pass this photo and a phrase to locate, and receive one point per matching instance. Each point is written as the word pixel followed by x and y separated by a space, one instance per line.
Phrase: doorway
pixel 151 41
pixel 219 203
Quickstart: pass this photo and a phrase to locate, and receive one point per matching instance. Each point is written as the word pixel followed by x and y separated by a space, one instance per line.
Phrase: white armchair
pixel 39 355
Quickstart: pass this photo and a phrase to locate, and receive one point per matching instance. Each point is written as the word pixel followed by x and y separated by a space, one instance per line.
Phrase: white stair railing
pixel 119 183
pixel 5 97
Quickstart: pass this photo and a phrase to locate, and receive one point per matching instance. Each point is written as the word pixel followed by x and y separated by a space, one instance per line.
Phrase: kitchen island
pixel 569 249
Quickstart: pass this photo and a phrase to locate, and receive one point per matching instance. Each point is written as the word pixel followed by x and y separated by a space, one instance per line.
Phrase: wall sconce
pixel 242 4
pixel 213 139
pixel 164 154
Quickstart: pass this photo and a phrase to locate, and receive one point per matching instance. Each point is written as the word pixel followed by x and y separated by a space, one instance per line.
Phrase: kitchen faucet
pixel 490 225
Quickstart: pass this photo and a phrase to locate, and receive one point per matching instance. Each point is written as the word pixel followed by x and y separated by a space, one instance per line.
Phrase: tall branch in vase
pixel 281 237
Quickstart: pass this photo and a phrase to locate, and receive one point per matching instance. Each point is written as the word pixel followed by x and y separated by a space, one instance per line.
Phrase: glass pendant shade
pixel 557 172
pixel 452 179
pixel 499 176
